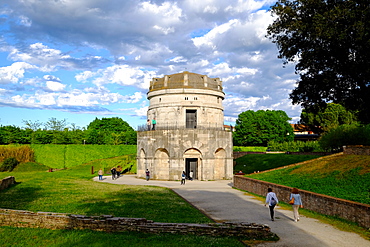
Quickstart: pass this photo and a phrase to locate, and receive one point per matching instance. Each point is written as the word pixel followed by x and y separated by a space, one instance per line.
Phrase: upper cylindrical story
pixel 186 100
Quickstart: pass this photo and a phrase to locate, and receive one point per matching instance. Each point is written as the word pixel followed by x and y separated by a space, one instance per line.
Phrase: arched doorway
pixel 192 158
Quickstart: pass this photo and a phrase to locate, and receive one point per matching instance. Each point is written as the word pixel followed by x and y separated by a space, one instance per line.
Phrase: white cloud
pixel 209 38
pixel 92 55
pixel 23 20
pixel 55 86
pixel 123 75
pixel 82 77
pixel 14 72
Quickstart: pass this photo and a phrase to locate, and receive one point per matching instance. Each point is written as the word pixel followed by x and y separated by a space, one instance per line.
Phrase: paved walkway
pixel 222 203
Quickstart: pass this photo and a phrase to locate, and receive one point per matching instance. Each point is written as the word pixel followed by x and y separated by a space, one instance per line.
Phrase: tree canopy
pixel 329 41
pixel 258 128
pixel 108 131
pixel 114 124
pixel 327 118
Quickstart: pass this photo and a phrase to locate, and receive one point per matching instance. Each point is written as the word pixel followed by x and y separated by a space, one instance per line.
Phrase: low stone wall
pixel 108 223
pixel 6 182
pixel 238 154
pixel 348 210
pixel 357 150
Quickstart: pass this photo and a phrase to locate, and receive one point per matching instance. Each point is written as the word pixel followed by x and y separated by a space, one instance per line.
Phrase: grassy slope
pixel 345 176
pixel 261 162
pixel 61 156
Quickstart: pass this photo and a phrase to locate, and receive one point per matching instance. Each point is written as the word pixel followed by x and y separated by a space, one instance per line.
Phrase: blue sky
pixel 87 59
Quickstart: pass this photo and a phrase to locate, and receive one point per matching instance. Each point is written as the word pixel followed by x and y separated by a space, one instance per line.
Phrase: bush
pixel 9 164
pixel 295 146
pixel 345 135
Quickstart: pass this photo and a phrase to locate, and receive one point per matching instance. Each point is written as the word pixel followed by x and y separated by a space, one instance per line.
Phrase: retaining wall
pixel 357 150
pixel 108 223
pixel 348 210
pixel 6 182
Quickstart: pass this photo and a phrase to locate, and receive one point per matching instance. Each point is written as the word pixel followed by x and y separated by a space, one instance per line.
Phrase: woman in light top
pixel 297 203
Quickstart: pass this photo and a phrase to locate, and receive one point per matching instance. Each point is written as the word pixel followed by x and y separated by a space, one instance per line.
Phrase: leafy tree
pixel 42 137
pixel 326 118
pixel 12 134
pixel 329 41
pixel 32 125
pixel 55 124
pixel 114 124
pixel 260 127
pixel 346 134
pixel 112 131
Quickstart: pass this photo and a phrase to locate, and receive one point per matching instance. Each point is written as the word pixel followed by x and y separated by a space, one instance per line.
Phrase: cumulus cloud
pixel 14 72
pixel 91 55
pixel 55 86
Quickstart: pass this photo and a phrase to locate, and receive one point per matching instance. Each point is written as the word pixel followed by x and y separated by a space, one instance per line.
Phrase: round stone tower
pixel 189 132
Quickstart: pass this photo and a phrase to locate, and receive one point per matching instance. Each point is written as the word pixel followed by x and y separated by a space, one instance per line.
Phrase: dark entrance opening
pixel 191 119
pixel 191 164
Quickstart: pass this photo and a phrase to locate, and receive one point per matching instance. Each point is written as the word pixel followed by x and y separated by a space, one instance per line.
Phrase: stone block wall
pixel 6 182
pixel 348 210
pixel 357 150
pixel 108 223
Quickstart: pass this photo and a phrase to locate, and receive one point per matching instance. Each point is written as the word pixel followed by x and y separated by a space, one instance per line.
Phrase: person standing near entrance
pixel 272 201
pixel 191 174
pixel 183 177
pixel 154 122
pixel 147 174
pixel 296 204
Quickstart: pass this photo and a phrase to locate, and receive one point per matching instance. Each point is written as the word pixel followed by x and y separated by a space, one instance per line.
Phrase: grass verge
pixel 73 191
pixel 25 237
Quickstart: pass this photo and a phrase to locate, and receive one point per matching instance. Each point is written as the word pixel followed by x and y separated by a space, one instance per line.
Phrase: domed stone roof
pixel 185 80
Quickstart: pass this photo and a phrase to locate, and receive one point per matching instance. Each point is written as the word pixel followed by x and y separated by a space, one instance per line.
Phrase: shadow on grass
pixel 152 203
pixel 18 196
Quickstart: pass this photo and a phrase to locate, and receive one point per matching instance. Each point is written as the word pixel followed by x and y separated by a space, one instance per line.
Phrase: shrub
pixel 345 135
pixel 295 146
pixel 9 164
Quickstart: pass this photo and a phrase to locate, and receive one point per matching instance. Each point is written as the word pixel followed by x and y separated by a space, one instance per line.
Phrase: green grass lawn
pixel 251 163
pixel 25 237
pixel 345 176
pixel 73 191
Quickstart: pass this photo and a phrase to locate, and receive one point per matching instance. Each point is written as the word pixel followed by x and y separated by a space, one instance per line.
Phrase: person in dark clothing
pixel 272 201
pixel 114 172
pixel 183 177
pixel 147 174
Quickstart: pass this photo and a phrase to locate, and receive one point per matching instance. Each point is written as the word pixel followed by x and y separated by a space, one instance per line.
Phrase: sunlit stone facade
pixel 189 133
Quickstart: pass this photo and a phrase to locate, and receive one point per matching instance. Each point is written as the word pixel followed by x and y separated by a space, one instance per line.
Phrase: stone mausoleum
pixel 189 134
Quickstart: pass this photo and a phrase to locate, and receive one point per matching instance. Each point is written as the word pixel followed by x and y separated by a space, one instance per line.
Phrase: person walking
pixel 114 172
pixel 100 173
pixel 183 177
pixel 272 201
pixel 147 174
pixel 118 171
pixel 296 201
pixel 191 174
